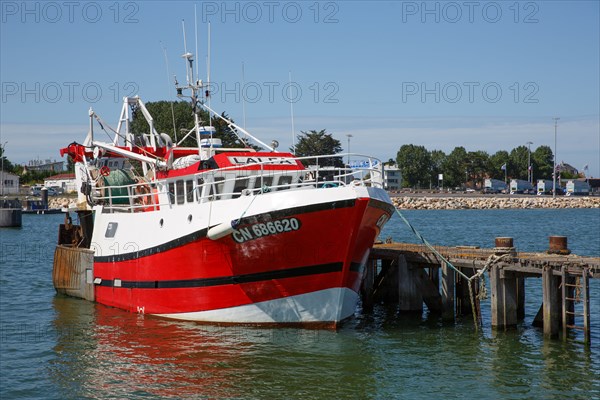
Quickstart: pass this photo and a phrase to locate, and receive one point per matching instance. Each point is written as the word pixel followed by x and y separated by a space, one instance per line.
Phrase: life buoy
pixel 105 171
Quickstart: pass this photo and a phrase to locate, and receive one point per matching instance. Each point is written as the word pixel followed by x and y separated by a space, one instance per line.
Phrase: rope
pixel 492 259
pixel 264 189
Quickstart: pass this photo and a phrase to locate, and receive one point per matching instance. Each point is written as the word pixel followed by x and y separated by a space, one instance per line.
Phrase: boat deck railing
pixel 218 184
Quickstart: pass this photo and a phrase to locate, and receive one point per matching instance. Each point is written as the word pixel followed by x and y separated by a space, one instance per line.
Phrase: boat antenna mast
pixel 194 85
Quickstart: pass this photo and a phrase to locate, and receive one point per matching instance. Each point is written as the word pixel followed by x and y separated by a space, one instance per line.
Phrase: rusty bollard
pixel 558 245
pixel 504 245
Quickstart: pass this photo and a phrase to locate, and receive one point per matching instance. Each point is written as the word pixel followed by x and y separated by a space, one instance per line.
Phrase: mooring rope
pixel 264 189
pixel 490 261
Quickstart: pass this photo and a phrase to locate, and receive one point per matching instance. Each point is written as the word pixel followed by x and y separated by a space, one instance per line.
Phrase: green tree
pixel 455 167
pixel 478 165
pixel 6 164
pixel 496 162
pixel 319 143
pixel 415 164
pixel 438 157
pixel 543 161
pixel 518 162
pixel 162 114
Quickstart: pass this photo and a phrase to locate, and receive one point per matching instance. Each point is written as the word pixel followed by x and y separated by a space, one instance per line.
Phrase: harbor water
pixel 54 347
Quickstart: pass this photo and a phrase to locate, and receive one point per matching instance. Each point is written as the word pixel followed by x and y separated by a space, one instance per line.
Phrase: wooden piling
pixel 520 282
pixel 550 302
pixel 504 298
pixel 386 283
pixel 368 285
pixel 586 305
pixel 418 267
pixel 463 301
pixel 448 283
pixel 409 297
pixel 429 289
pixel 508 290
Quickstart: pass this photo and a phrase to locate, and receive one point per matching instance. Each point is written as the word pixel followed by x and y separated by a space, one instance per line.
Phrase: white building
pixel 9 183
pixel 392 177
pixel 66 182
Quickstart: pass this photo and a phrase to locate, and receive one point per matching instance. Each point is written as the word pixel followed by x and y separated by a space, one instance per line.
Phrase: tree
pixel 415 164
pixel 518 162
pixel 313 143
pixel 162 115
pixel 543 162
pixel 6 165
pixel 455 167
pixel 478 165
pixel 495 164
pixel 438 158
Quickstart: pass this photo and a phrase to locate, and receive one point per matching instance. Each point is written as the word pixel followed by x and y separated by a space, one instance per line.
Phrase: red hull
pixel 328 250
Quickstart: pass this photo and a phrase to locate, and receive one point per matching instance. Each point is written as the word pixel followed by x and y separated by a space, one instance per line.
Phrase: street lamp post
pixel 554 170
pixel 3 179
pixel 529 170
pixel 349 135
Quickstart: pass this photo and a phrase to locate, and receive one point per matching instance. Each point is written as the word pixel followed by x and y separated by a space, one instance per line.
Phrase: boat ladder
pixel 575 290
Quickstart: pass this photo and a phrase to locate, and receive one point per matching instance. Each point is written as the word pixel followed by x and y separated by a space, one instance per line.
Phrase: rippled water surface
pixel 54 347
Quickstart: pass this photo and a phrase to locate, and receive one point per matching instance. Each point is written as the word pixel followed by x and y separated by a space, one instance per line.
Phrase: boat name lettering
pixel 256 231
pixel 266 160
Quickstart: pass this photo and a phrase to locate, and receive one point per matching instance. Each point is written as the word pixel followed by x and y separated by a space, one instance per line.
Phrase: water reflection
pixel 105 352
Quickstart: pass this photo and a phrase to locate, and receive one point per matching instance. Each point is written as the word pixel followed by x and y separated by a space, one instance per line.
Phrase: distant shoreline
pixel 447 201
pixel 443 201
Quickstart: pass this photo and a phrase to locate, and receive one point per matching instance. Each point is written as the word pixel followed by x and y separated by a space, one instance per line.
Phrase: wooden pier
pixel 412 275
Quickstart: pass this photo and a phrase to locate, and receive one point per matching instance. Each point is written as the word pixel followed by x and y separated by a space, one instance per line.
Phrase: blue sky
pixel 483 75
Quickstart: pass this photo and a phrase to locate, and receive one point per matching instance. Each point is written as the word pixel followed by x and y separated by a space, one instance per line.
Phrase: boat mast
pixel 193 85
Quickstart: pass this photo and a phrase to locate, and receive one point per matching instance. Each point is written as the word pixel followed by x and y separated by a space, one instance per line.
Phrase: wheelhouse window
pixel 240 184
pixel 216 188
pixel 189 191
pixel 172 192
pixel 284 182
pixel 266 181
pixel 180 192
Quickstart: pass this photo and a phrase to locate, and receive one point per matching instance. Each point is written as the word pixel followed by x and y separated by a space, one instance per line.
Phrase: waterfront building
pixel 9 183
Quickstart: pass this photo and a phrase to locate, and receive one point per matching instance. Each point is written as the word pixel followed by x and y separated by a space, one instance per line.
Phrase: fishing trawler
pixel 214 234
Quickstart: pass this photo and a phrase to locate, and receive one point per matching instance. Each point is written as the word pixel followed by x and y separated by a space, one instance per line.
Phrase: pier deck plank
pixel 531 264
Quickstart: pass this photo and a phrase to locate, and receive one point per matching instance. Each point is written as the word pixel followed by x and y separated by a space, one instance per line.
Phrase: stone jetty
pixel 492 202
pixel 442 202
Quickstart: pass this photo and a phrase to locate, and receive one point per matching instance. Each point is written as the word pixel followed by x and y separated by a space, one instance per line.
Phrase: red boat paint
pixel 205 275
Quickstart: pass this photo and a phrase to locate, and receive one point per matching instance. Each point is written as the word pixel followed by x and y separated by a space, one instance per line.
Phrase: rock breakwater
pixel 488 203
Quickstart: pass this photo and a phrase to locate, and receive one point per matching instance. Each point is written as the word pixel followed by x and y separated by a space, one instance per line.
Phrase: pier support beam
pixel 409 297
pixel 463 301
pixel 448 281
pixel 368 285
pixel 504 298
pixel 520 298
pixel 429 287
pixel 585 281
pixel 551 302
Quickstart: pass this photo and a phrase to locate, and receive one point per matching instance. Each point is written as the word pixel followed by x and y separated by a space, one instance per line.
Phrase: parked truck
pixel 544 186
pixel 494 186
pixel 519 186
pixel 577 188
